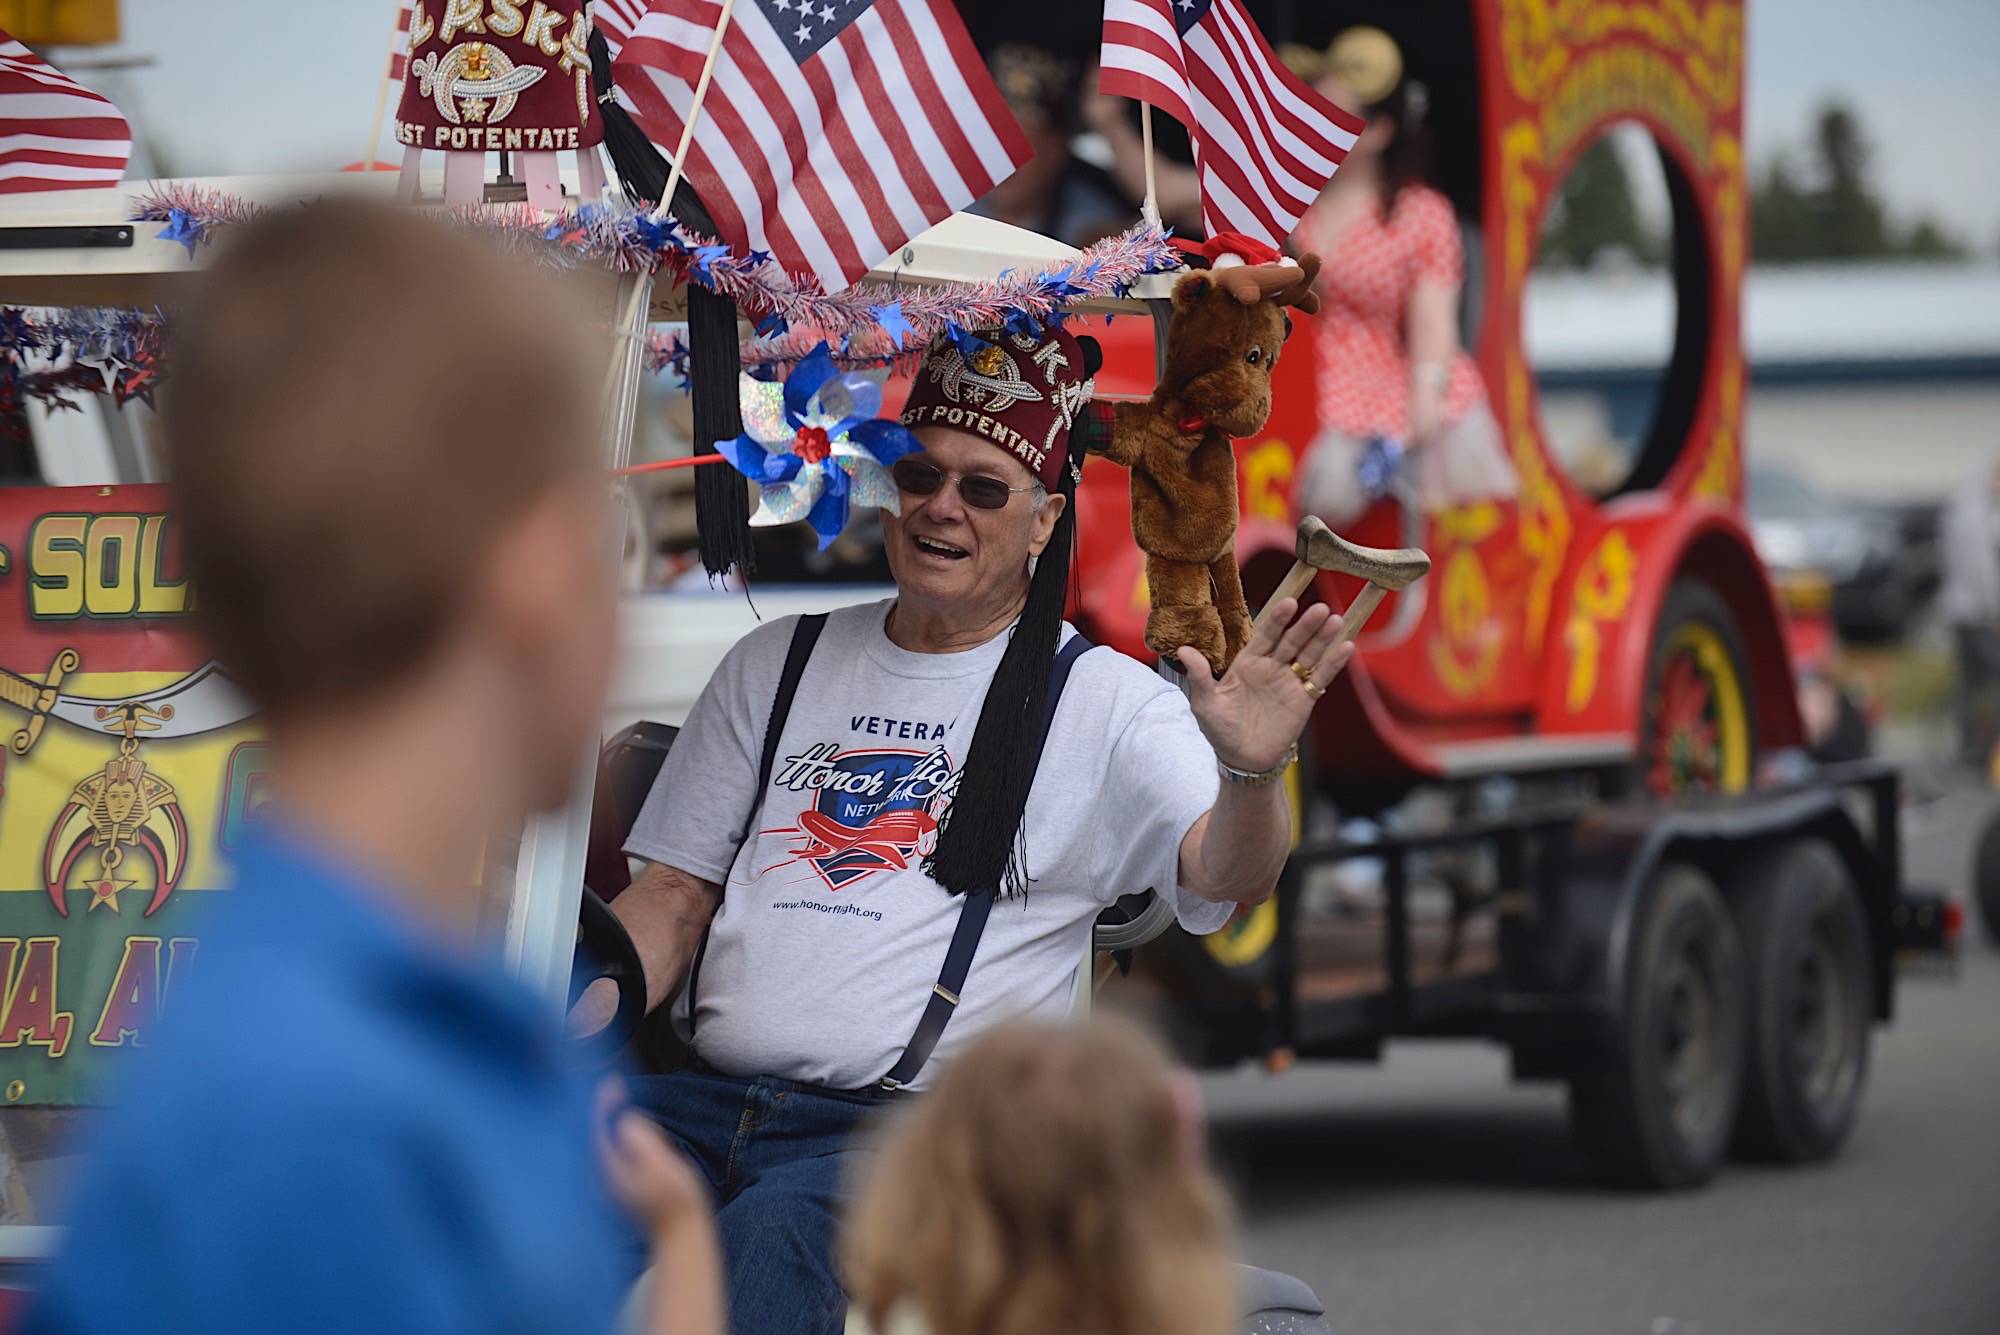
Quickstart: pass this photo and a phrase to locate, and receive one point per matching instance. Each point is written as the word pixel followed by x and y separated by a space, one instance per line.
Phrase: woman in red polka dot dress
pixel 1398 397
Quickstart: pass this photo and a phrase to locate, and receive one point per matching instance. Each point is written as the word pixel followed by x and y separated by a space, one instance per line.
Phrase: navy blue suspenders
pixel 972 914
pixel 804 636
pixel 975 908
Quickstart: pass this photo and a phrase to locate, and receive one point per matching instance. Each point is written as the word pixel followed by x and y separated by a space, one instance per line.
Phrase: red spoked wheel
pixel 1698 734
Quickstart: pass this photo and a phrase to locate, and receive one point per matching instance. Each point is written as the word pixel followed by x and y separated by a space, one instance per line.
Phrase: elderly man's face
pixel 944 551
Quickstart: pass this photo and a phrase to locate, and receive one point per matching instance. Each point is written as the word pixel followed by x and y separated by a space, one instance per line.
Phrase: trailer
pixel 1703 975
pixel 1563 798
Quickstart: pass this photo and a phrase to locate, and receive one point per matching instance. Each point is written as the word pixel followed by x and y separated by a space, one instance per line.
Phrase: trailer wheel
pixel 1698 730
pixel 1659 1112
pixel 1811 1002
pixel 1242 948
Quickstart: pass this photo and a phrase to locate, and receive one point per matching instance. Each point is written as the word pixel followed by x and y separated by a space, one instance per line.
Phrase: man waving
pixel 884 831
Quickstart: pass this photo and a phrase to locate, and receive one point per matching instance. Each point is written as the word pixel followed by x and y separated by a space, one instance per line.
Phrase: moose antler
pixel 1287 284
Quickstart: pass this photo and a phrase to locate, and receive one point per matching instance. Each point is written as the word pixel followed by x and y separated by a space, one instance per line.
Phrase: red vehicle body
pixel 1547 635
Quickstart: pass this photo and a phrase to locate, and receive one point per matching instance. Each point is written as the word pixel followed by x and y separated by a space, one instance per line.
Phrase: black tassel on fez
pixel 721 497
pixel 980 842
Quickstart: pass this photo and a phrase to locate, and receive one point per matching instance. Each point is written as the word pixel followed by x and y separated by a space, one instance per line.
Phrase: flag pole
pixel 1151 206
pixel 382 96
pixel 694 110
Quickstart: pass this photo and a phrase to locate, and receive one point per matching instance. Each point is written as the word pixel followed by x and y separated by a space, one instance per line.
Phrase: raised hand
pixel 1254 714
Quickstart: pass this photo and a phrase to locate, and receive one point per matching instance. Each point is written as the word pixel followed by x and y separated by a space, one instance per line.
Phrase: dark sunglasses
pixel 981 491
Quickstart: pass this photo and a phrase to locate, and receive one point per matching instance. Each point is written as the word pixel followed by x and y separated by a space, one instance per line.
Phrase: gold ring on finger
pixel 1303 671
pixel 1314 689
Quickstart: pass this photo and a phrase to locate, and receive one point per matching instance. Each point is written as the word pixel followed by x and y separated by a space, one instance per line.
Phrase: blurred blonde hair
pixel 1052 1181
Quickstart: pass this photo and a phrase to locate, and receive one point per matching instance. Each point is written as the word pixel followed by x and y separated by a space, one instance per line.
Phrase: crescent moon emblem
pixel 163 835
pixel 505 87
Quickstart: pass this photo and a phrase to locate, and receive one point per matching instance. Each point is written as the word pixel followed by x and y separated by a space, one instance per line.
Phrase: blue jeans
pixel 780 1158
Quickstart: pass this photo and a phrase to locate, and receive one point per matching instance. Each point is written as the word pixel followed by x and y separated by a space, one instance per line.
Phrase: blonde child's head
pixel 1052 1181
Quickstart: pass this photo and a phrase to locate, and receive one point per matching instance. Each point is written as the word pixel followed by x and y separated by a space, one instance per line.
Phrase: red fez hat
pixel 488 75
pixel 1022 392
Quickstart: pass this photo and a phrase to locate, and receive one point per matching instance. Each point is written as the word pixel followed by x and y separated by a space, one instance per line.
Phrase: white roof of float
pixel 149 271
pixel 966 248
pixel 1793 314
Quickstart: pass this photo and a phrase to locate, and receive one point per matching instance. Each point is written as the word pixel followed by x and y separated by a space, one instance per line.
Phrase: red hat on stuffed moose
pixel 1023 392
pixel 490 75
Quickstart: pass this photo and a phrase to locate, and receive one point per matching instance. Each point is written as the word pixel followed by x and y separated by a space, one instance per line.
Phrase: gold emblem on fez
pixel 476 79
pixel 990 380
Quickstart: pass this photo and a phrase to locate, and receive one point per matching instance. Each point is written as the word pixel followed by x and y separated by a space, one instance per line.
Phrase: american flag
pixel 616 19
pixel 55 134
pixel 399 46
pixel 1264 142
pixel 833 130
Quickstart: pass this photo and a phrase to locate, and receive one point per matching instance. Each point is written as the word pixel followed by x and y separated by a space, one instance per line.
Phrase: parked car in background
pixel 1916 525
pixel 1858 556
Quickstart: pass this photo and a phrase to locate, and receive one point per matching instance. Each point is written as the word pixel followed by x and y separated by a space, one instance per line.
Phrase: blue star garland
pixel 705 258
pixel 890 319
pixel 184 227
pixel 969 344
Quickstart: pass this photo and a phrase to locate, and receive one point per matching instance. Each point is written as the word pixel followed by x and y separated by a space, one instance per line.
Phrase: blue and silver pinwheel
pixel 815 446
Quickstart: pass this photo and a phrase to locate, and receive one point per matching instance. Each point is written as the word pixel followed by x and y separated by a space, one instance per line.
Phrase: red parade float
pixel 1617 663
pixel 1561 630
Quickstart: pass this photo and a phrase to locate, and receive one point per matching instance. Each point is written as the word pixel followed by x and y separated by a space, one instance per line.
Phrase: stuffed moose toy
pixel 1223 338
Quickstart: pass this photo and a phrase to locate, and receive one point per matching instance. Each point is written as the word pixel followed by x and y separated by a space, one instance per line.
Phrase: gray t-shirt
pixel 830 935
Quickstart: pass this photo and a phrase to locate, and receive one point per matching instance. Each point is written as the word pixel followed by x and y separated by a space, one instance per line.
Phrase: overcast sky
pixel 276 85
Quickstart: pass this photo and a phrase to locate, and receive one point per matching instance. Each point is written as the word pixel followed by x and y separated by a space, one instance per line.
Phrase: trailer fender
pixel 1600 631
pixel 1568 991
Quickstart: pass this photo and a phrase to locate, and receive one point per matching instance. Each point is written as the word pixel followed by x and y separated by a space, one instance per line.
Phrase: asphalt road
pixel 1430 1195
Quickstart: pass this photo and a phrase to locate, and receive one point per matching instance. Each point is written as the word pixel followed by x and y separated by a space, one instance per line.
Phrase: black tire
pixel 1986 878
pixel 1811 1003
pixel 1659 1112
pixel 1692 602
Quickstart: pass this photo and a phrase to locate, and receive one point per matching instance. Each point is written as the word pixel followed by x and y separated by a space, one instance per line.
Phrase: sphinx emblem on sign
pixel 121 809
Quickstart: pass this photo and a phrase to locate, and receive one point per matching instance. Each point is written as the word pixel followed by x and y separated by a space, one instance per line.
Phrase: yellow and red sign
pixel 128 766
pixel 40 23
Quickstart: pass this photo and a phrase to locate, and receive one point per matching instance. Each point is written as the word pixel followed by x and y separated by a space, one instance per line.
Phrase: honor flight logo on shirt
pixel 872 811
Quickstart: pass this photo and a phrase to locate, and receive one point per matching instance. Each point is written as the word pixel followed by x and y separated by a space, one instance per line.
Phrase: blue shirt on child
pixel 345 1125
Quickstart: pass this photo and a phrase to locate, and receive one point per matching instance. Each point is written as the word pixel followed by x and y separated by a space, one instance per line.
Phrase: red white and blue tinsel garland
pixel 52 355
pixel 867 324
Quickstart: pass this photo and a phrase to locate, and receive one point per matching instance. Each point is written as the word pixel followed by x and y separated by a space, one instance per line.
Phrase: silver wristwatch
pixel 1259 778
